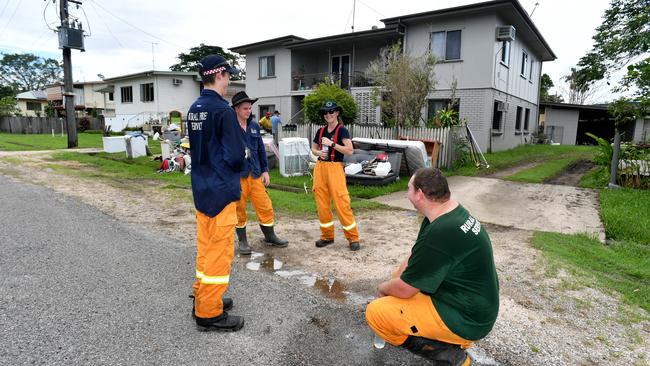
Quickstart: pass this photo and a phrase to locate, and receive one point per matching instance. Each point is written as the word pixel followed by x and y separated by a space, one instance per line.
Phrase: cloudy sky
pixel 122 31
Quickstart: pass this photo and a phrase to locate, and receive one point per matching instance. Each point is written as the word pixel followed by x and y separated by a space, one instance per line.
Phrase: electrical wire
pixel 11 17
pixel 371 8
pixel 348 20
pixel 135 27
pixel 3 8
pixel 87 22
pixel 107 27
pixel 45 19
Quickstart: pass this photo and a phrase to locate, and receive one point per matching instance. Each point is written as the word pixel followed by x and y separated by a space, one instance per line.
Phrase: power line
pixel 107 27
pixel 135 27
pixel 348 21
pixel 3 8
pixel 371 8
pixel 11 17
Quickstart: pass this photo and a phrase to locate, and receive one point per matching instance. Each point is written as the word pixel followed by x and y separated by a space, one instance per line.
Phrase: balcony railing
pixel 309 81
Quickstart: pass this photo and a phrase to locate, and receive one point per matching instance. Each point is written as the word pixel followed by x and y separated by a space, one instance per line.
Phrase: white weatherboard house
pixel 32 103
pixel 152 95
pixel 492 49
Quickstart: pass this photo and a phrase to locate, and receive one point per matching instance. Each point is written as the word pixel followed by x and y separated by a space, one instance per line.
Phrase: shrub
pixel 325 92
pixel 84 124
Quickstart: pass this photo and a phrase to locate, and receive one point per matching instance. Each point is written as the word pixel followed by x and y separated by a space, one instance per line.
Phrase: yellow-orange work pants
pixel 215 238
pixel 329 185
pixel 394 319
pixel 255 190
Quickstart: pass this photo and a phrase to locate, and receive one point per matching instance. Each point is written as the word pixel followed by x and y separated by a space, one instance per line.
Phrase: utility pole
pixel 68 94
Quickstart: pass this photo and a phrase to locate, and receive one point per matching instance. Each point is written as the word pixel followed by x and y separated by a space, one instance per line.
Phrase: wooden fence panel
pixel 42 125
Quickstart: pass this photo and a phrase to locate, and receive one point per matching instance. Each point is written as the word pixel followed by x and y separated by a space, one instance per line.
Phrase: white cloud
pixel 121 46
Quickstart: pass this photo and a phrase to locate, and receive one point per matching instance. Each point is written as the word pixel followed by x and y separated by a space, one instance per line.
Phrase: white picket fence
pixel 444 135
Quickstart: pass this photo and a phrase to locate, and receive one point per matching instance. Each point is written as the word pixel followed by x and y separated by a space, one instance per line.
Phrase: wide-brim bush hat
pixel 240 98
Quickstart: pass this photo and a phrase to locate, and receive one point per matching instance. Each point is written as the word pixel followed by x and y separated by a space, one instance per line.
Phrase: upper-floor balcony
pixel 307 82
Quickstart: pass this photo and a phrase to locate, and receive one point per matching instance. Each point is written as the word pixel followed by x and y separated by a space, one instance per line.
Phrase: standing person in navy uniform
pixel 254 178
pixel 218 156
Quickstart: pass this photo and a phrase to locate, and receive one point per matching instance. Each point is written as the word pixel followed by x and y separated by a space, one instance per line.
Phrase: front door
pixel 341 70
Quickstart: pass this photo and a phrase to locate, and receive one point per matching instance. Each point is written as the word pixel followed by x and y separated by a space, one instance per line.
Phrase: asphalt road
pixel 79 287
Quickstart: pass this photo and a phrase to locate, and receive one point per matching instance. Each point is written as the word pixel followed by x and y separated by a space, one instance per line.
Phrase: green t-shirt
pixel 452 262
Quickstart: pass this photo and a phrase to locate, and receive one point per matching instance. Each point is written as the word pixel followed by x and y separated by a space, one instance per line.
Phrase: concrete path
pixel 542 207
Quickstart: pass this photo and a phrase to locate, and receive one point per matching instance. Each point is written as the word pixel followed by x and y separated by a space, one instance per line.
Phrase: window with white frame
pixel 505 53
pixel 527 119
pixel 530 70
pixel 520 111
pixel 126 94
pixel 497 117
pixel 267 66
pixel 146 92
pixel 524 63
pixel 445 45
pixel 33 106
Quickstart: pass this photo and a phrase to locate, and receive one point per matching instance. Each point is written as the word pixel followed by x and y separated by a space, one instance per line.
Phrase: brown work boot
pixel 443 353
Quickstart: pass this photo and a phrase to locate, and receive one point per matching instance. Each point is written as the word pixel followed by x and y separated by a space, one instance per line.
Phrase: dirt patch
pixel 546 317
pixel 573 173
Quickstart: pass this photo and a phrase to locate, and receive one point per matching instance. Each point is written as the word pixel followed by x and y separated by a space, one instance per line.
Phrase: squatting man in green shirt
pixel 445 295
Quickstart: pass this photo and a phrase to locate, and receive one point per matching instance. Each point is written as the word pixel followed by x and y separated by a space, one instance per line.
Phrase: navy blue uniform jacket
pixel 217 151
pixel 257 163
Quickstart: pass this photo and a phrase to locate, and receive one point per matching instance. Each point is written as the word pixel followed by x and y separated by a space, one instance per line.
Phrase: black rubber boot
pixel 243 247
pixel 324 242
pixel 354 246
pixel 221 323
pixel 271 239
pixel 443 353
pixel 227 304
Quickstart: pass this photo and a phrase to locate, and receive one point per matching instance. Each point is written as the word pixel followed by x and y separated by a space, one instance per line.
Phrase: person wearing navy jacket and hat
pixel 218 156
pixel 254 178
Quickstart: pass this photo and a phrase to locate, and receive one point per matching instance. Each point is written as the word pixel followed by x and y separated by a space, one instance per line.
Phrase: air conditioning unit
pixel 506 33
pixel 294 156
pixel 502 106
pixel 177 81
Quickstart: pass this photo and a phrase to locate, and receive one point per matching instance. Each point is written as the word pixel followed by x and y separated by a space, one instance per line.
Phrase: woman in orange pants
pixel 330 144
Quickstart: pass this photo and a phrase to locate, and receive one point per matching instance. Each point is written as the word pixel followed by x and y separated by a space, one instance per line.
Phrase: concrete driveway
pixel 542 207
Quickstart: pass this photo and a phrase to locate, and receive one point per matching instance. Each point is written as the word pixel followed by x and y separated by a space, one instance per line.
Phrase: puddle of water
pixel 330 287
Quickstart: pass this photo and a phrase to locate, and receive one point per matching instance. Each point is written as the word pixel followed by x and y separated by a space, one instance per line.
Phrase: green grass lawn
pixel 119 167
pixel 18 142
pixel 623 266
pixel 543 171
pixel 355 190
pixel 525 154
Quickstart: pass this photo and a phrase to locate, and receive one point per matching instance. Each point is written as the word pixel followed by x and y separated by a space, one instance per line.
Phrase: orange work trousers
pixel 329 185
pixel 394 319
pixel 255 190
pixel 215 238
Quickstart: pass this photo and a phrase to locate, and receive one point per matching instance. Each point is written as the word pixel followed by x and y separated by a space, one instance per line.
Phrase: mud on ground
pixel 546 316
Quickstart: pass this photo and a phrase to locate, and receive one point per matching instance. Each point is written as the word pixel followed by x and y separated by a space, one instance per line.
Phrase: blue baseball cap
pixel 213 64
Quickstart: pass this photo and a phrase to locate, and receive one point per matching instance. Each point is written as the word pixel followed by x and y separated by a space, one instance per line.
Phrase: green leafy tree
pixel 25 72
pixel 7 91
pixel 403 83
pixel 9 107
pixel 325 92
pixel 189 60
pixel 544 87
pixel 622 41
